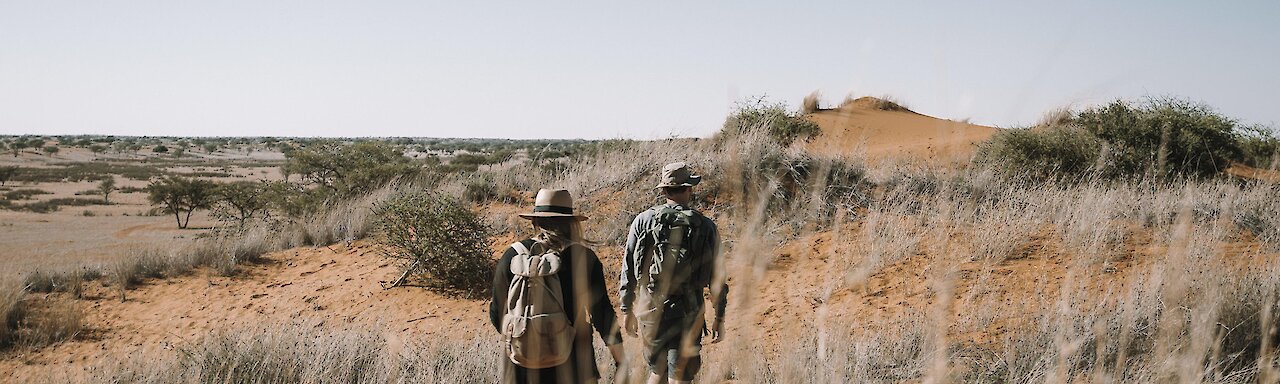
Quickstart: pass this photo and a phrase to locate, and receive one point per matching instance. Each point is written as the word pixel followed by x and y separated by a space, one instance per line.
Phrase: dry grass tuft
pixel 811 103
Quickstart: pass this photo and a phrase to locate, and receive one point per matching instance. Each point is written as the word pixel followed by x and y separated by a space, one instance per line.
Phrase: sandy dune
pixel 861 127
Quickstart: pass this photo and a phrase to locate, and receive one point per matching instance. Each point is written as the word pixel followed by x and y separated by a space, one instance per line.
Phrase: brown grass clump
pixel 11 310
pixel 290 353
pixel 52 322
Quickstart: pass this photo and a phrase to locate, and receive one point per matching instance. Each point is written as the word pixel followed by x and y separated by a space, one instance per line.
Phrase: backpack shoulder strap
pixel 520 248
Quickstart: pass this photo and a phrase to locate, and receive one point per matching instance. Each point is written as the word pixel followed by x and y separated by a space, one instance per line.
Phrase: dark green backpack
pixel 668 244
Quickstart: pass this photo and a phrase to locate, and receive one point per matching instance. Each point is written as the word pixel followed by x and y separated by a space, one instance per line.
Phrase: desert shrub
pixel 438 239
pixel 889 103
pixel 782 124
pixel 1164 136
pixel 1053 153
pixel 160 149
pixel 6 173
pixel 1261 147
pixel 52 205
pixel 1161 138
pixel 89 171
pixel 23 194
pixel 479 188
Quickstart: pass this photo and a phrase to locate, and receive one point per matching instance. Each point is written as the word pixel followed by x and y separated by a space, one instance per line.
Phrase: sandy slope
pixel 861 127
pixel 337 285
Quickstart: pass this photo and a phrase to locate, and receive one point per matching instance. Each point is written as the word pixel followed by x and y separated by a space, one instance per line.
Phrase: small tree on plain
pixel 181 196
pixel 51 150
pixel 240 201
pixel 97 150
pixel 438 239
pixel 17 147
pixel 107 186
pixel 7 173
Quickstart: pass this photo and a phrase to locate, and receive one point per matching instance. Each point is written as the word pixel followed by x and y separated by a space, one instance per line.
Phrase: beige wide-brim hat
pixel 552 203
pixel 678 175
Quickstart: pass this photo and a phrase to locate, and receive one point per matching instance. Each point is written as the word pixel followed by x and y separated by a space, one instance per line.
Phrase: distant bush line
pixel 1158 138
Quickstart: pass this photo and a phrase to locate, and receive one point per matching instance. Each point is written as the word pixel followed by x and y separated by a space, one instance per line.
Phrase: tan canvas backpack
pixel 537 325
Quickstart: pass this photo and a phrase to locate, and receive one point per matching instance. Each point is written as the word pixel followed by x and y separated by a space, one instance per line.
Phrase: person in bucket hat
pixel 672 254
pixel 581 286
pixel 678 175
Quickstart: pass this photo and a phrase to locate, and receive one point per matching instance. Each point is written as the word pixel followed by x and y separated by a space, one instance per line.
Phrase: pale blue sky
pixel 593 70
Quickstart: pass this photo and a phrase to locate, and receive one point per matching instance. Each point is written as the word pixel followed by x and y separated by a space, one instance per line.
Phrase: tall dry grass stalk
pixel 11 311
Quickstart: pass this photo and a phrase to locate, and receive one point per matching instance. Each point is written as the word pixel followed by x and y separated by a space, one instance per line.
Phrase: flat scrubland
pixel 844 266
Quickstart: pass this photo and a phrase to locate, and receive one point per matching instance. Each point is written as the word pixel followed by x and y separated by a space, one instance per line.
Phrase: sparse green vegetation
pixel 24 194
pixel 782 124
pixel 349 170
pixel 1261 147
pixel 1160 138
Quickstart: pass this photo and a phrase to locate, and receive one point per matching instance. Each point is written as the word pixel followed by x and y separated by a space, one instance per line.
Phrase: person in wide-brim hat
pixel 585 297
pixel 553 203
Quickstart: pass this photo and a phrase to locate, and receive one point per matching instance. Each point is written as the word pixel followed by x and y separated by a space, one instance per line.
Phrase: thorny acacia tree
pixel 182 196
pixel 240 201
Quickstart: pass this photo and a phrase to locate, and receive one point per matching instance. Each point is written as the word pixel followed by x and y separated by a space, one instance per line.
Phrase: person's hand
pixel 629 323
pixel 715 331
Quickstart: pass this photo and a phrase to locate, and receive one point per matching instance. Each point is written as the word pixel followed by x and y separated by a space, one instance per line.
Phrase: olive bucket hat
pixel 552 203
pixel 678 175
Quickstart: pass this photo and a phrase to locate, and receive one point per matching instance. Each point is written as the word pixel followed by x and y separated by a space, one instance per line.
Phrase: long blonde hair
pixel 558 233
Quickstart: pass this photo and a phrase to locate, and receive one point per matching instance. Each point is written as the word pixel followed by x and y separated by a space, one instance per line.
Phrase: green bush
pixel 1165 137
pixel 1160 138
pixel 439 240
pixel 1261 147
pixel 1055 153
pixel 782 124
